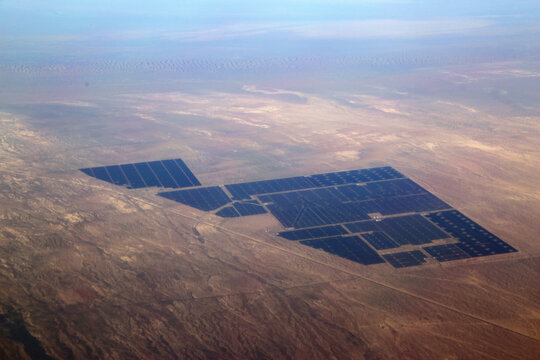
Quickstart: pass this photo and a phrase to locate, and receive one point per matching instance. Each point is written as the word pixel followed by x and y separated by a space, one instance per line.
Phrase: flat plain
pixel 93 270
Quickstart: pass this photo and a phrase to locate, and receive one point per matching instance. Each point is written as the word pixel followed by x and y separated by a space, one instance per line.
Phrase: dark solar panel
pixel 313 233
pixel 331 213
pixel 102 174
pixel 322 207
pixel 350 247
pixel 379 240
pixel 362 226
pixel 354 192
pixel 390 188
pixel 405 258
pixel 117 175
pixel 411 229
pixel 355 176
pixel 176 173
pixel 88 171
pixel 330 179
pixel 477 248
pixel 146 174
pixel 245 209
pixel 133 177
pixel 473 239
pixel 167 173
pixel 187 172
pixel 446 252
pixel 209 198
pixel 404 204
pixel 162 174
pixel 245 190
pixel 316 207
pixel 228 212
pixel 286 215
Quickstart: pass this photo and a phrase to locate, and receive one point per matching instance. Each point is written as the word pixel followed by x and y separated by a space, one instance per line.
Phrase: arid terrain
pixel 446 93
pixel 93 270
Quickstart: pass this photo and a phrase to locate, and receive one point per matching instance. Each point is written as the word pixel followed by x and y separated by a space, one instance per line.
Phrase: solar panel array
pixel 348 247
pixel 206 199
pixel 411 229
pixel 245 208
pixel 474 240
pixel 313 233
pixel 228 212
pixel 366 215
pixel 245 190
pixel 171 173
pixel 380 241
pixel 406 258
pixel 446 252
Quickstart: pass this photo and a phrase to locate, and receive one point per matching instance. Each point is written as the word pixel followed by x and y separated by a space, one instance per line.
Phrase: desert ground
pixel 93 270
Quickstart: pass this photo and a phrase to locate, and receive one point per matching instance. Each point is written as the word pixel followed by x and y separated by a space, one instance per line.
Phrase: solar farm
pixel 171 173
pixel 369 216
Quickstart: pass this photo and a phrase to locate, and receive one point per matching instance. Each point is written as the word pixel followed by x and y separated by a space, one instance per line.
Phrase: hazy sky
pixel 69 30
pixel 100 17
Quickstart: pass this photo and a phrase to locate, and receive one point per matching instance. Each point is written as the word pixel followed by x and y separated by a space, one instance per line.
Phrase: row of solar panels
pixel 390 233
pixel 302 216
pixel 387 233
pixel 241 209
pixel 311 203
pixel 171 173
pixel 174 173
pixel 346 193
pixel 354 249
pixel 245 190
pixel 321 206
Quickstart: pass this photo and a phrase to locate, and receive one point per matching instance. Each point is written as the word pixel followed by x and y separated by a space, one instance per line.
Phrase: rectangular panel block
pixel 379 240
pixel 101 174
pixel 411 229
pixel 245 190
pixel 88 171
pixel 313 233
pixel 245 209
pixel 206 199
pixel 228 212
pixel 350 247
pixel 446 252
pixel 362 226
pixel 194 181
pixel 405 258
pixel 162 174
pixel 117 175
pixel 473 238
pixel 133 177
pixel 404 204
pixel 146 174
pixel 391 188
pixel 176 173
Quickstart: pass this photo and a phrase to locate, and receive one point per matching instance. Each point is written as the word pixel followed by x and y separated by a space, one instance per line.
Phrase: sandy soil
pixel 91 270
